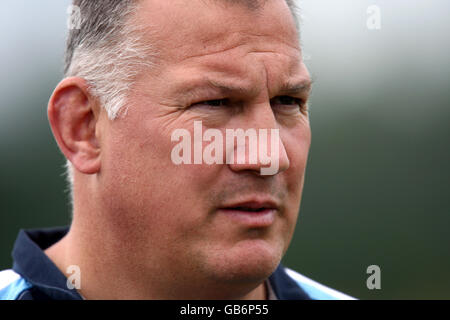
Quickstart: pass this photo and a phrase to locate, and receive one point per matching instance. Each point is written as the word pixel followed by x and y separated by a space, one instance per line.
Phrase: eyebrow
pixel 300 87
pixel 304 86
pixel 228 88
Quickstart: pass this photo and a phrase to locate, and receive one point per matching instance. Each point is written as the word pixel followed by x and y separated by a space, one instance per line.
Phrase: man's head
pixel 230 65
pixel 107 49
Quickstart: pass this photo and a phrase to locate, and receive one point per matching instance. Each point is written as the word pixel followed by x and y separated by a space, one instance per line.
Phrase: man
pixel 148 221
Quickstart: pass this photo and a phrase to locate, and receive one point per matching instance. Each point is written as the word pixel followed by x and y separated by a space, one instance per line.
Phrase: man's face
pixel 179 217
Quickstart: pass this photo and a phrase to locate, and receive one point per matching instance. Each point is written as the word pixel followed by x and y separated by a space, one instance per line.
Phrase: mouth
pixel 261 209
pixel 253 214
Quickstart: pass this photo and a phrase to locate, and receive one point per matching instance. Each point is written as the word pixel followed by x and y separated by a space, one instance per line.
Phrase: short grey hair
pixel 107 51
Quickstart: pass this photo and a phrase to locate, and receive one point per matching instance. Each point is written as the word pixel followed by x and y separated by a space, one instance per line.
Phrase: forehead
pixel 187 28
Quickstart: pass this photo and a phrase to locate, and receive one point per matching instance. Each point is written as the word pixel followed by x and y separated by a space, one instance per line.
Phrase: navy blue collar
pixel 33 264
pixel 285 287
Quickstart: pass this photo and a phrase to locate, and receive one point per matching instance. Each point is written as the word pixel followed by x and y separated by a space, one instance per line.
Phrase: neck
pixel 106 271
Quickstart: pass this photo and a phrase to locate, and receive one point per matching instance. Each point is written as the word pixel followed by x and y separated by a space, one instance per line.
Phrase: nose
pixel 258 148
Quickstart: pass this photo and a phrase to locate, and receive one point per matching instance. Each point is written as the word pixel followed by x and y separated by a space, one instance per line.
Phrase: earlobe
pixel 73 115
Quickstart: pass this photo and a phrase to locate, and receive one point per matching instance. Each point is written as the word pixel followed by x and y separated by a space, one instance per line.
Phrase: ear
pixel 73 115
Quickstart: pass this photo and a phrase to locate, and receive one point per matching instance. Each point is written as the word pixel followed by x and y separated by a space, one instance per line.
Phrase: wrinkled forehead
pixel 184 26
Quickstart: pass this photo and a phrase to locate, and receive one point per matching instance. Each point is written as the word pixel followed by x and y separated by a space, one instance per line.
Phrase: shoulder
pixel 12 285
pixel 314 289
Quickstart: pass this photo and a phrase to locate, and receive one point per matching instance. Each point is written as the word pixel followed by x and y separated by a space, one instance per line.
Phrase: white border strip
pixel 319 287
pixel 7 277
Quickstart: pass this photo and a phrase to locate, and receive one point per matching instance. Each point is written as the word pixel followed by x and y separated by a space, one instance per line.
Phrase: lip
pixel 264 217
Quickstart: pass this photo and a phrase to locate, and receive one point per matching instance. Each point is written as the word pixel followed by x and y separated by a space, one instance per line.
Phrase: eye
pixel 289 106
pixel 212 103
pixel 287 101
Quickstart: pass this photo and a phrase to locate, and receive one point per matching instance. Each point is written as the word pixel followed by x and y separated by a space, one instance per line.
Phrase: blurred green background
pixel 377 184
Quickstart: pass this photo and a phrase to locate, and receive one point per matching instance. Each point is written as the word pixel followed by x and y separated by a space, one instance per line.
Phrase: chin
pixel 248 262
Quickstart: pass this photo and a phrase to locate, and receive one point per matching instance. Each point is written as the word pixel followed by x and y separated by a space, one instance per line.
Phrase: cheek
pixel 148 186
pixel 297 144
